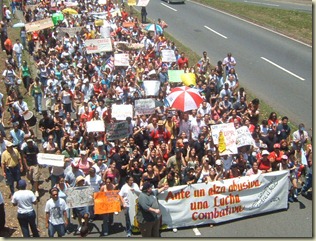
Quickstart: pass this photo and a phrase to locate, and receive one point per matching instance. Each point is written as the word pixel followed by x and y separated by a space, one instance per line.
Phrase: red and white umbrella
pixel 184 98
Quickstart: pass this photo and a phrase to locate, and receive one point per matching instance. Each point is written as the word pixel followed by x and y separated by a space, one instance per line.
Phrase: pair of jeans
pixel 128 221
pixel 308 182
pixel 13 174
pixel 59 228
pixel 38 101
pixel 26 219
pixel 107 220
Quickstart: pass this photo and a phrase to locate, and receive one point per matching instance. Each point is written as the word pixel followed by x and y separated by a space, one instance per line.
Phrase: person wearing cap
pixel 11 165
pixel 275 156
pixel 24 200
pixel 161 134
pixel 46 126
pixel 264 162
pixel 17 135
pixel 71 175
pixel 300 137
pixel 30 152
pixel 56 214
pixel 148 212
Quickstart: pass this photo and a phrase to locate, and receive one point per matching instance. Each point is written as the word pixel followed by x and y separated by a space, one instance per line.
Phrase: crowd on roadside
pixel 164 149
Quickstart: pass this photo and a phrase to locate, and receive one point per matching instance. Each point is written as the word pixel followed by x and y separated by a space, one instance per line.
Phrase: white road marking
pixel 268 4
pixel 196 231
pixel 285 70
pixel 169 7
pixel 215 32
pixel 257 25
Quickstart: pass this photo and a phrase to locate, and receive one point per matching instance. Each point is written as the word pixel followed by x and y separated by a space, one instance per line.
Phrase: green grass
pixel 296 24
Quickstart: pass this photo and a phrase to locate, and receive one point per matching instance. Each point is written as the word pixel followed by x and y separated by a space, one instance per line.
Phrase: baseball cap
pixel 218 162
pixel 265 152
pixel 75 164
pixel 100 143
pixel 22 184
pixel 83 152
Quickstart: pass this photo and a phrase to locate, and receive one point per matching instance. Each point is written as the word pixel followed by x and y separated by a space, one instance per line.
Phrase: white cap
pixel 265 152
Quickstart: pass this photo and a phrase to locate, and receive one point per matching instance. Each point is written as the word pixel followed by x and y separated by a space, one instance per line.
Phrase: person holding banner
pixel 129 186
pixel 148 213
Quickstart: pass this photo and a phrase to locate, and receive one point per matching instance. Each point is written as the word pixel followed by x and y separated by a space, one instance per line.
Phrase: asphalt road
pixel 296 221
pixel 276 69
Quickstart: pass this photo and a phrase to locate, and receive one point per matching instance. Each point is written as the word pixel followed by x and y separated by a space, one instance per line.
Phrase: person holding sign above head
pixel 148 213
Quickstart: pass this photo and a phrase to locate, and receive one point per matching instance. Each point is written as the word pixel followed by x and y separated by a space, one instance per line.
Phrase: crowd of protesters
pixel 162 150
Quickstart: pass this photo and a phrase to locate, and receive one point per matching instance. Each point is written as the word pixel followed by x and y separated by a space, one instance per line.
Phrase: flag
pixel 109 63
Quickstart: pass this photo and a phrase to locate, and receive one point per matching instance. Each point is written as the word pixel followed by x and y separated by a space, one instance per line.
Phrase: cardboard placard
pixel 107 202
pixel 98 45
pixel 144 106
pixel 175 75
pixel 120 112
pixel 39 25
pixel 50 159
pixel 95 126
pixel 116 131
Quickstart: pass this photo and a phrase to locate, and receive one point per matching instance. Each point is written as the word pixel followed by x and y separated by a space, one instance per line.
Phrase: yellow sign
pixel 131 2
pixel 188 79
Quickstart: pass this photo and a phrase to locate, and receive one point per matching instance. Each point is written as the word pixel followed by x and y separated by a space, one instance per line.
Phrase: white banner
pixel 117 131
pixel 95 126
pixel 121 59
pixel 221 201
pixel 142 3
pixel 229 132
pixel 151 87
pixel 98 45
pixel 50 159
pixel 79 196
pixel 168 55
pixel 144 106
pixel 71 31
pixel 39 25
pixel 244 137
pixel 120 112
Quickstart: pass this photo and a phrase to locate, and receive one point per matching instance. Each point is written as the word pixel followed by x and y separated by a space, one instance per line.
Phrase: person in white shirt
pixel 129 187
pixel 56 214
pixel 20 105
pixel 25 199
pixel 229 62
pixel 18 50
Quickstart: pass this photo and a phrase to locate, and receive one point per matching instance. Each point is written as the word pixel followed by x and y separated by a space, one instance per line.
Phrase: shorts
pixel 34 173
pixel 82 211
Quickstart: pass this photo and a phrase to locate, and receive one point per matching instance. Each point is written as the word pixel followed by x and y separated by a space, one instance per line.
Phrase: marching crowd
pixel 164 149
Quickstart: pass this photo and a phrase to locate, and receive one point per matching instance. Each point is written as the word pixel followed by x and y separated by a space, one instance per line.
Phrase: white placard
pixel 244 137
pixel 168 55
pixel 142 3
pixel 230 136
pixel 95 126
pixel 144 106
pixel 79 196
pixel 121 59
pixel 50 159
pixel 120 112
pixel 98 45
pixel 151 87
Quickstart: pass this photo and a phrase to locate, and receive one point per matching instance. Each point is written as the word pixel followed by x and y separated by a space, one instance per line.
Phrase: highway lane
pixel 276 69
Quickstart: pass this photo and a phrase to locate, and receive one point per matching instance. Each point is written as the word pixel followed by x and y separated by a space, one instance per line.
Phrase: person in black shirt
pixel 47 126
pixel 30 161
pixel 122 162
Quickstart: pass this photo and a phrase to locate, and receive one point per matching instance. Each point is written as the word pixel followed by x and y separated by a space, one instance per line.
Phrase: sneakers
pixel 291 199
pixel 36 194
pixel 175 230
pixel 128 235
pixel 104 234
pixel 116 213
pixel 79 228
pixel 304 193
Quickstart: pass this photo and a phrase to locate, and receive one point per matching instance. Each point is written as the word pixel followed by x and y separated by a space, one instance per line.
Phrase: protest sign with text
pixel 79 196
pixel 107 202
pixel 142 3
pixel 221 201
pixel 98 45
pixel 120 112
pixel 168 55
pixel 244 137
pixel 121 59
pixel 175 75
pixel 144 106
pixel 39 25
pixel 50 159
pixel 229 132
pixel 116 131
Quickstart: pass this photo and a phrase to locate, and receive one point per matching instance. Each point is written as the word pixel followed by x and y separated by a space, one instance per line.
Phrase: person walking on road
pixel 25 199
pixel 143 14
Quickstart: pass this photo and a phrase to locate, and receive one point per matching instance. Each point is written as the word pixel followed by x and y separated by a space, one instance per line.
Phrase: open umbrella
pixel 184 98
pixel 19 25
pixel 69 11
pixel 151 27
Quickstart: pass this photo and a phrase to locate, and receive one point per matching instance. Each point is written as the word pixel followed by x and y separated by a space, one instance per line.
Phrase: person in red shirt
pixel 87 115
pixel 160 134
pixel 8 46
pixel 264 162
pixel 183 61
pixel 275 156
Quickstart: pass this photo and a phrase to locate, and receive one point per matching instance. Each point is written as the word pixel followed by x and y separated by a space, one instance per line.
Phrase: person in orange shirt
pixel 8 46
pixel 275 156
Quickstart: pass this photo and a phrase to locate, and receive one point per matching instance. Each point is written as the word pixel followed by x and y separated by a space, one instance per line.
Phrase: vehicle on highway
pixel 175 1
